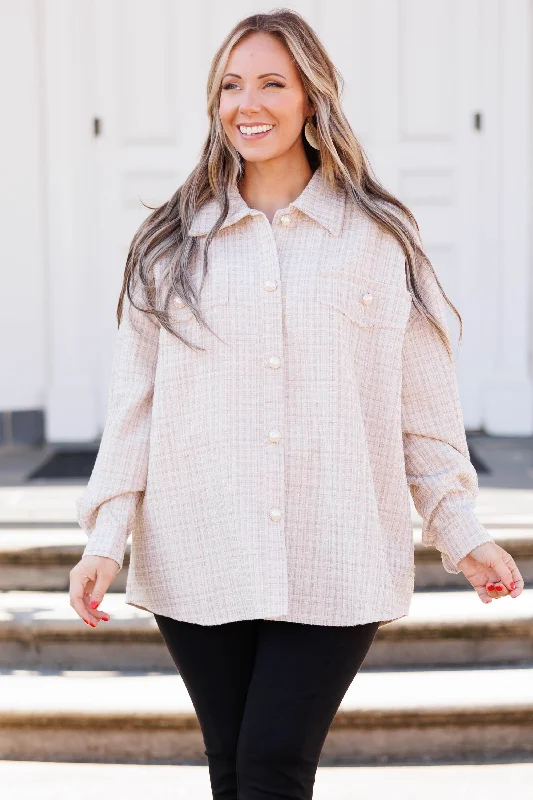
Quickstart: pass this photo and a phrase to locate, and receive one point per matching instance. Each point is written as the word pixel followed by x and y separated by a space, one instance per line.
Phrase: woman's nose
pixel 249 103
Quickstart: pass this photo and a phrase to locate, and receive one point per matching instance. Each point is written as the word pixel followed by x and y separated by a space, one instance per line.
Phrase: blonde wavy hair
pixel 163 234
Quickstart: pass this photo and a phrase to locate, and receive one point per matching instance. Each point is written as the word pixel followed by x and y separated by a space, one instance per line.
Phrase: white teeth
pixel 255 129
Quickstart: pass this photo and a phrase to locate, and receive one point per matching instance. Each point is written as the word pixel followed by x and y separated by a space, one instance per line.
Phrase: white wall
pixel 506 205
pixel 23 320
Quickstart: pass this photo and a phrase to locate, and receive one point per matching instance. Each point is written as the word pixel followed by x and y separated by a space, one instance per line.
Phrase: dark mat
pixel 66 464
pixel 479 464
pixel 80 463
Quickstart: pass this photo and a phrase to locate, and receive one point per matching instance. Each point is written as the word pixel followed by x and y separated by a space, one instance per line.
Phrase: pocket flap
pixel 369 303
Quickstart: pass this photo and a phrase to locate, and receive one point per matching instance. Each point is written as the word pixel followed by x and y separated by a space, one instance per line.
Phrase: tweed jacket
pixel 269 475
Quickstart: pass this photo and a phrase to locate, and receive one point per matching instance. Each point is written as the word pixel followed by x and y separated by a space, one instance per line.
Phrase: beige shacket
pixel 269 476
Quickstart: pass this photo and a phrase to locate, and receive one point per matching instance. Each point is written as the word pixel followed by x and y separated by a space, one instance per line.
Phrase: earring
pixel 311 135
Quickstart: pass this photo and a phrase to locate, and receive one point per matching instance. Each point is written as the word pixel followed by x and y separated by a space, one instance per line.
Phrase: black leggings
pixel 265 693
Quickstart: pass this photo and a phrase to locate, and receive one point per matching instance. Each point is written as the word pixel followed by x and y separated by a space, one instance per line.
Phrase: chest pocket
pixel 215 292
pixel 369 303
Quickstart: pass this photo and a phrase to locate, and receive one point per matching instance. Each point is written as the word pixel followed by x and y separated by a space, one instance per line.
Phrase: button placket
pixel 274 390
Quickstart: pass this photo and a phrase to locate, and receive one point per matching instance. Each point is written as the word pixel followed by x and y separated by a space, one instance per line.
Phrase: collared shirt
pixel 268 476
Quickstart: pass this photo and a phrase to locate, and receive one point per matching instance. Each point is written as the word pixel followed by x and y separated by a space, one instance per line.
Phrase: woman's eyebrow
pixel 264 75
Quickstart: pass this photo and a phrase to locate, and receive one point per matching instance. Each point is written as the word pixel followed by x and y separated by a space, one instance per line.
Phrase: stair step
pixel 40 558
pixel 57 504
pixel 430 574
pixel 161 782
pixel 40 540
pixel 39 504
pixel 41 630
pixel 384 717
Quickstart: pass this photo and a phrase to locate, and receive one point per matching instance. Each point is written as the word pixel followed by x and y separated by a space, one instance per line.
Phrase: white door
pixel 151 63
pixel 412 75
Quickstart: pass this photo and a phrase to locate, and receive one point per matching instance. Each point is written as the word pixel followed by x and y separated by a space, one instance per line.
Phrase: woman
pixel 282 379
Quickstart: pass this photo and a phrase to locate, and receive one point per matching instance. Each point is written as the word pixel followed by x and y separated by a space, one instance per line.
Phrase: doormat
pixel 478 464
pixel 80 463
pixel 66 464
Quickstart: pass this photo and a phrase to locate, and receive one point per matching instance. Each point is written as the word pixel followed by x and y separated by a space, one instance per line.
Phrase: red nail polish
pixel 499 588
pixel 87 621
pixel 92 625
pixel 490 587
pixel 106 619
pixel 513 585
pixel 94 604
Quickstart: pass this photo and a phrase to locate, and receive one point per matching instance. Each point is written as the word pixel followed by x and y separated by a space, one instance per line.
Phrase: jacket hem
pixel 274 616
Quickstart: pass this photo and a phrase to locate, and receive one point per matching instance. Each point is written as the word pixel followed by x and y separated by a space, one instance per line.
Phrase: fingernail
pixel 490 587
pixel 512 585
pixel 106 619
pixel 92 625
pixel 94 604
pixel 87 621
pixel 499 588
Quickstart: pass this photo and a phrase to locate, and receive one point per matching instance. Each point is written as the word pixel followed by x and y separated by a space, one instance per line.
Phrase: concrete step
pixel 40 540
pixel 385 717
pixel 56 503
pixel 39 558
pixel 26 780
pixel 430 574
pixel 42 631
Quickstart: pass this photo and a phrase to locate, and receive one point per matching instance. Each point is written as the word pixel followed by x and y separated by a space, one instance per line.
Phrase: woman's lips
pixel 252 136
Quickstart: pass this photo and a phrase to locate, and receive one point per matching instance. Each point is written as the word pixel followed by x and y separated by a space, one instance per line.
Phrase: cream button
pixel 274 436
pixel 366 299
pixel 270 285
pixel 274 362
pixel 285 219
pixel 275 514
pixel 179 302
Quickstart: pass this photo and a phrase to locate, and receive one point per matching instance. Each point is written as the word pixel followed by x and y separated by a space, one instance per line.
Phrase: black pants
pixel 265 694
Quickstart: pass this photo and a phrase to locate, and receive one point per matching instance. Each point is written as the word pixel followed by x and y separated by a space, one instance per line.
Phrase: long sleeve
pixel 442 480
pixel 107 509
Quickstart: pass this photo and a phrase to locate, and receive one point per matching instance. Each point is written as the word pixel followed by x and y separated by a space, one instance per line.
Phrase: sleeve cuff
pixel 459 538
pixel 107 542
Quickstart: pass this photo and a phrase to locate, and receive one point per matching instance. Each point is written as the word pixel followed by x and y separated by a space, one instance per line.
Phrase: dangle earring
pixel 311 134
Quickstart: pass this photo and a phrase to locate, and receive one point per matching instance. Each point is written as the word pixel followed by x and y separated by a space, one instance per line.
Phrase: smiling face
pixel 263 105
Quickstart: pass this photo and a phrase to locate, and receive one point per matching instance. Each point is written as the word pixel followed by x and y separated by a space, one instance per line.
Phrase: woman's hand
pixel 488 567
pixel 89 581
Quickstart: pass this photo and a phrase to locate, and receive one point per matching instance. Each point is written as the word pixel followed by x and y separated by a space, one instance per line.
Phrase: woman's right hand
pixel 89 581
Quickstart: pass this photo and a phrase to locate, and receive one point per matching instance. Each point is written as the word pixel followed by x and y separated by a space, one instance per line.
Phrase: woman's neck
pixel 269 187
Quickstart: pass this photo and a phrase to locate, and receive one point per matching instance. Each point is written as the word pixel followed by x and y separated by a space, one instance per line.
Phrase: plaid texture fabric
pixel 269 476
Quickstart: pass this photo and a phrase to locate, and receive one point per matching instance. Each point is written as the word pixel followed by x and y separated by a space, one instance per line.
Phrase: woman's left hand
pixel 492 572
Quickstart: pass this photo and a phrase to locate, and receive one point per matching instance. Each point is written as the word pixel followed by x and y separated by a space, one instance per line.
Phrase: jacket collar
pixel 318 200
